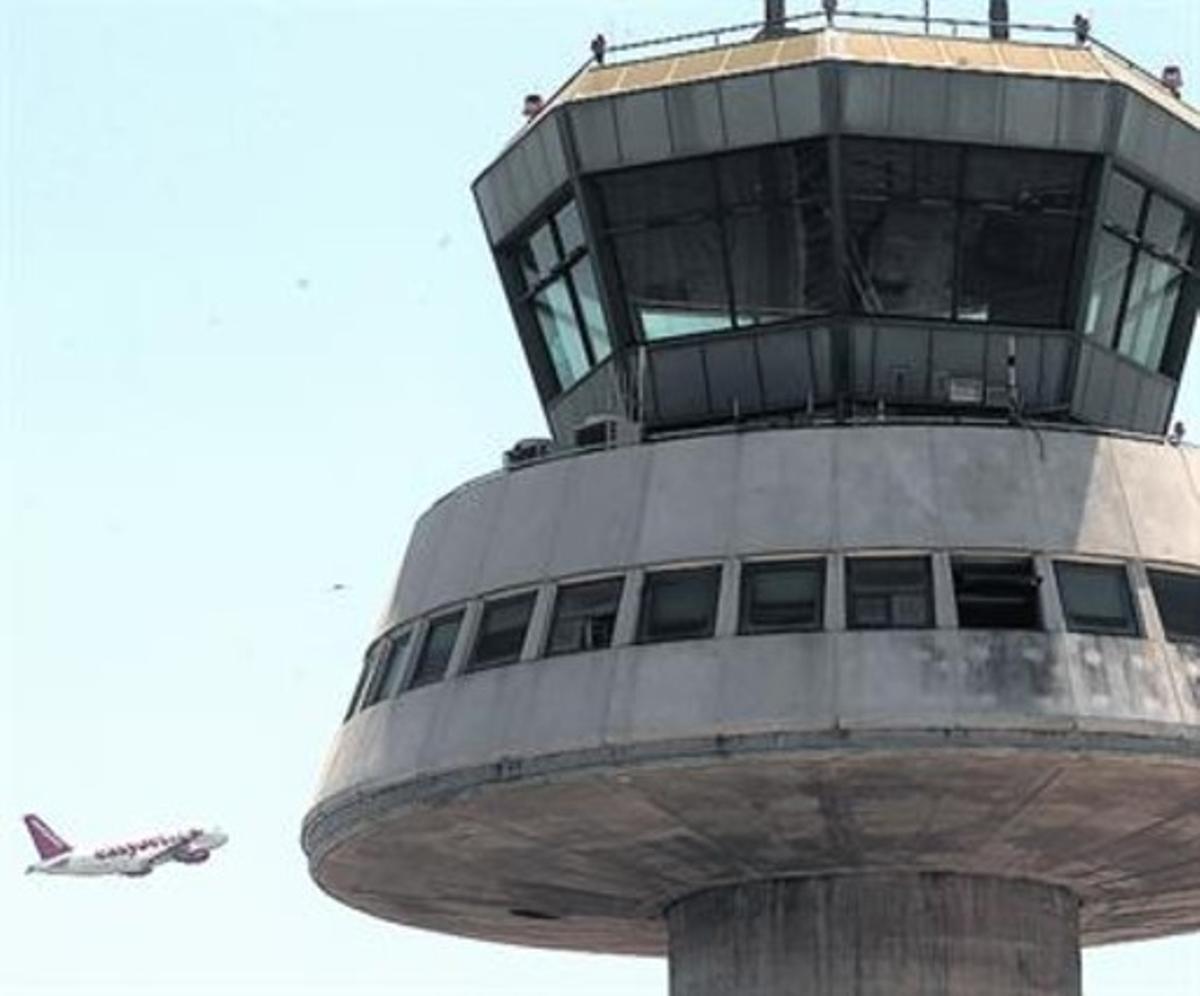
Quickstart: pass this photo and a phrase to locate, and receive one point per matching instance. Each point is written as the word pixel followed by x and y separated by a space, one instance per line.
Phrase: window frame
pixel 854 623
pixel 474 664
pixel 959 562
pixel 559 589
pixel 1192 578
pixel 1134 629
pixel 414 679
pixel 715 571
pixel 754 568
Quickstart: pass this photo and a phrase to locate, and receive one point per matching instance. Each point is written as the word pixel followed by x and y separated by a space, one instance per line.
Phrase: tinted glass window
pixel 1096 598
pixel 889 593
pixel 996 593
pixel 658 193
pixel 781 262
pixel 1150 309
pixel 589 303
pixel 1123 202
pixel 1167 229
pixel 435 653
pixel 585 615
pixel 1027 181
pixel 501 633
pixel 675 280
pixel 1178 598
pixel 900 169
pixel 570 228
pixel 679 605
pixel 778 597
pixel 556 319
pixel 774 175
pixel 538 255
pixel 1110 273
pixel 1016 266
pixel 363 677
pixel 378 660
pixel 902 257
pixel 391 669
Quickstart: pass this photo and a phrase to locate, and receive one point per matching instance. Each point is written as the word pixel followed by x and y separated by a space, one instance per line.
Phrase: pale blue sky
pixel 250 331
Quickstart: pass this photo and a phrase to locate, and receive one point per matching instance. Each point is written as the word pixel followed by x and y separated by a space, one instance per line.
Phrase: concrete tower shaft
pixel 845 636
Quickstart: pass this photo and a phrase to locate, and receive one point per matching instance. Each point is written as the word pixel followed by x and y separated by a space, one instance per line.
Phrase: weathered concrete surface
pixel 876 935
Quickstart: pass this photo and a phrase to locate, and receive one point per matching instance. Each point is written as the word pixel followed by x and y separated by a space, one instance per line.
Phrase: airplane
pixel 132 859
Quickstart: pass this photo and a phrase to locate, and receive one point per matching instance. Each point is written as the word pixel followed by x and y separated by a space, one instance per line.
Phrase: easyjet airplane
pixel 137 857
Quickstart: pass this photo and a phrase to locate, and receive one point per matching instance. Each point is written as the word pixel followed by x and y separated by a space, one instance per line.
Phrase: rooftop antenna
pixel 998 20
pixel 926 16
pixel 774 19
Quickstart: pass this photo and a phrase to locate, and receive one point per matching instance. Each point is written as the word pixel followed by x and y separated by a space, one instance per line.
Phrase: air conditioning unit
pixel 527 450
pixel 597 430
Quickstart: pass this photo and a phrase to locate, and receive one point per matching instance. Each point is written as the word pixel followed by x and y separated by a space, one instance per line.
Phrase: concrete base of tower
pixel 877 935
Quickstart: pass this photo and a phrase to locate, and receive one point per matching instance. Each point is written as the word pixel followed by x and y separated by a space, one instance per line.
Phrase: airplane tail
pixel 48 843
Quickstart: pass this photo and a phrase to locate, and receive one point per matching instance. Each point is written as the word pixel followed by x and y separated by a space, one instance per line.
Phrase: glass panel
pixel 658 193
pixel 584 278
pixel 1123 202
pixel 781 262
pixel 556 318
pixel 395 666
pixel 1096 598
pixel 436 650
pixel 900 169
pixel 675 280
pixel 889 593
pixel 1025 180
pixel 901 257
pixel 679 605
pixel 501 632
pixel 1016 266
pixel 1178 598
pixel 774 175
pixel 380 663
pixel 780 597
pixel 1109 274
pixel 1167 229
pixel 584 616
pixel 538 255
pixel 1151 307
pixel 570 228
pixel 359 687
pixel 996 593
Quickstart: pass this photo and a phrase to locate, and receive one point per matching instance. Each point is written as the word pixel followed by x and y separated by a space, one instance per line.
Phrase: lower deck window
pixel 679 605
pixel 436 649
pixel 585 616
pixel 889 593
pixel 389 655
pixel 782 597
pixel 996 593
pixel 502 632
pixel 1096 598
pixel 1178 598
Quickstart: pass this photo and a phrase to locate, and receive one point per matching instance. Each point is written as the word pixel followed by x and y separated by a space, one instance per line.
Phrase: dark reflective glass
pixel 902 257
pixel 556 318
pixel 1123 202
pixel 679 605
pixel 782 597
pixel 889 593
pixel 1016 266
pixel 781 262
pixel 899 169
pixel 501 633
pixel 1168 229
pixel 389 670
pixel 1026 180
pixel 658 193
pixel 538 255
pixel 436 649
pixel 1110 272
pixel 1178 598
pixel 585 615
pixel 584 278
pixel 1096 598
pixel 996 593
pixel 674 280
pixel 1150 310
pixel 774 175
pixel 570 228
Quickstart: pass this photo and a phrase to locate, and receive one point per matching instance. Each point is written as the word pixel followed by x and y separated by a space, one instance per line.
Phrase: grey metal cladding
pixel 1155 143
pixel 733 380
pixel 694 113
pixel 490 206
pixel 595 127
pixel 642 126
pixel 679 382
pixel 1030 112
pixel 798 102
pixel 1126 382
pixel 748 106
pixel 976 108
pixel 957 354
pixel 550 134
pixel 920 103
pixel 1082 112
pixel 1154 404
pixel 598 393
pixel 786 368
pixel 866 93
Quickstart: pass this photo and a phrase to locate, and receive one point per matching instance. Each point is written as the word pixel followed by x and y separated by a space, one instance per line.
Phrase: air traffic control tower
pixel 844 636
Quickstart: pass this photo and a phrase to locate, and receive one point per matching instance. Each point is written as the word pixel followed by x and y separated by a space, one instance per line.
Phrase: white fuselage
pixel 136 857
